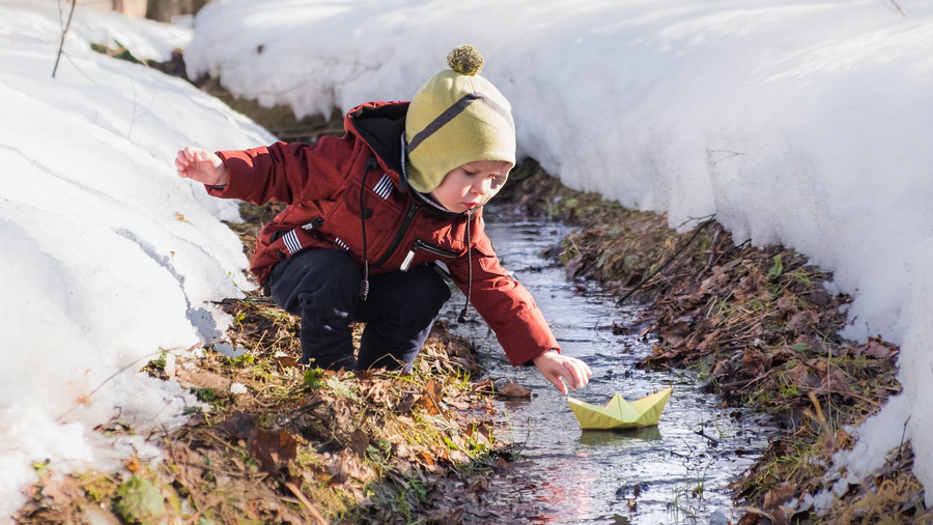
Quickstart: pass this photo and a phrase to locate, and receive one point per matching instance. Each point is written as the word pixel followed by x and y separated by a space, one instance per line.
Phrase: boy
pixel 368 215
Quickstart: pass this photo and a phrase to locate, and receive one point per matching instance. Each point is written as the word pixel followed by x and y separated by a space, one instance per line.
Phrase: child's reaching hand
pixel 554 366
pixel 201 165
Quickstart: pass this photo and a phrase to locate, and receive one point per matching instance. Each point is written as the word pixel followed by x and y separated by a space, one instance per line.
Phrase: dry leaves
pixel 514 389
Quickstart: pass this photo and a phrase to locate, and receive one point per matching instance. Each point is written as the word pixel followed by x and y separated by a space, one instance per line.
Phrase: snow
pixel 108 256
pixel 800 123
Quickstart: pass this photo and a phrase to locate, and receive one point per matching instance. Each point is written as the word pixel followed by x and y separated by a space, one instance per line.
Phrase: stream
pixel 676 472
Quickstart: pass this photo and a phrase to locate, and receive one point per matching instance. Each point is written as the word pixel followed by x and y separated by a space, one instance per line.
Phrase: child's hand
pixel 554 366
pixel 201 165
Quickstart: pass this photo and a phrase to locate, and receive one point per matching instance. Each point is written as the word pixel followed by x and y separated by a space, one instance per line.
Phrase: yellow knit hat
pixel 455 118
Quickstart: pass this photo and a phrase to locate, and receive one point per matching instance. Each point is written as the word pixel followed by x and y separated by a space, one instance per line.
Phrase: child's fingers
pixel 578 373
pixel 574 375
pixel 182 169
pixel 191 153
pixel 558 384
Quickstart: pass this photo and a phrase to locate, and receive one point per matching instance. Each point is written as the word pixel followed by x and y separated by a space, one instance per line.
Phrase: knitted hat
pixel 455 118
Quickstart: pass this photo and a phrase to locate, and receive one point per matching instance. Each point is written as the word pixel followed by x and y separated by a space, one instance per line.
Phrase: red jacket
pixel 322 184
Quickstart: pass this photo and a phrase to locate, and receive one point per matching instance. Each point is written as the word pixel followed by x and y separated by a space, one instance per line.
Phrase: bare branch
pixel 899 10
pixel 61 45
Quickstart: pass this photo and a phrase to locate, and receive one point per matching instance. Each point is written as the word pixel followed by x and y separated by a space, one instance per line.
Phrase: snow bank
pixel 108 256
pixel 798 123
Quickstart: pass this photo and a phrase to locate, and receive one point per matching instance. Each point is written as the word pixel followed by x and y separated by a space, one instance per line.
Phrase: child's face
pixel 470 185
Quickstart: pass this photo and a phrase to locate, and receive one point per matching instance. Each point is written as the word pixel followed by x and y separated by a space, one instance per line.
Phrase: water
pixel 676 472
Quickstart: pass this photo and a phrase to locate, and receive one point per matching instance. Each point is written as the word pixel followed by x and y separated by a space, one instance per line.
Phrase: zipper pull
pixel 408 258
pixel 415 246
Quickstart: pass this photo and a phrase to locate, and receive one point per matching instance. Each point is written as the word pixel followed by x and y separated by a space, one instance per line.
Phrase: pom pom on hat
pixel 457 117
pixel 465 60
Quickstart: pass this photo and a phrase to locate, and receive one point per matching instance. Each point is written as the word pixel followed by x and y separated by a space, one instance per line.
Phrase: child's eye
pixel 470 173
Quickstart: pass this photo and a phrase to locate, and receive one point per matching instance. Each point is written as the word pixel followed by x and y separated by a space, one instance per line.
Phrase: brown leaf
pixel 878 350
pixel 715 280
pixel 753 361
pixel 405 404
pixel 786 305
pixel 834 383
pixel 239 425
pixel 480 485
pixel 754 279
pixel 800 375
pixel 198 378
pixel 710 339
pixel 377 392
pixel 431 397
pixel 346 466
pixel 515 389
pixel 459 405
pixel 286 361
pixel 802 320
pixel 426 457
pixel 95 514
pixel 61 491
pixel 723 368
pixel 359 442
pixel 778 495
pixel 273 449
pixel 448 516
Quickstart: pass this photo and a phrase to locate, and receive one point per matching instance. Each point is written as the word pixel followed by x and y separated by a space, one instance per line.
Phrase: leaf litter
pixel 760 329
pixel 286 443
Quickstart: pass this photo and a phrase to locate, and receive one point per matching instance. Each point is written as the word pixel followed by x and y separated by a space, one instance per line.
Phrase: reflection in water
pixel 618 437
pixel 668 473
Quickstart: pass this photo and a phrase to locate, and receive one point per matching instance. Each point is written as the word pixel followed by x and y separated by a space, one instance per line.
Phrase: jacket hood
pixel 381 125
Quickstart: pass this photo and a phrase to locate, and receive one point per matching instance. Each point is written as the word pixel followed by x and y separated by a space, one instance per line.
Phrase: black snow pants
pixel 322 286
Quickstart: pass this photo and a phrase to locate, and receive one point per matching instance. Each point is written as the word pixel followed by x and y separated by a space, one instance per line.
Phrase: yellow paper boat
pixel 618 413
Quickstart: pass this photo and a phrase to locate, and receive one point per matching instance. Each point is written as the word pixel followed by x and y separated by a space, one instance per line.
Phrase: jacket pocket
pixel 427 250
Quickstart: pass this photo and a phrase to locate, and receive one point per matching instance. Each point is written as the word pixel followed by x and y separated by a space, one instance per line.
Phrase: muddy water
pixel 677 472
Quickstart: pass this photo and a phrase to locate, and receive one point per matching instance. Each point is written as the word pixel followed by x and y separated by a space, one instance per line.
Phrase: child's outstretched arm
pixel 554 366
pixel 201 165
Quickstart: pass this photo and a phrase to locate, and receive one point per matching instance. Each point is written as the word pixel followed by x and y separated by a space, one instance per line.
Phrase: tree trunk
pixel 164 10
pixel 160 10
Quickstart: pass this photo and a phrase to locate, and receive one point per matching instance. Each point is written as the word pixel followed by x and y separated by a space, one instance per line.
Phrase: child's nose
pixel 482 186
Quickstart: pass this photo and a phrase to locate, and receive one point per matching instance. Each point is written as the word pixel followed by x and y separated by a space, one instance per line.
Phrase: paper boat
pixel 619 413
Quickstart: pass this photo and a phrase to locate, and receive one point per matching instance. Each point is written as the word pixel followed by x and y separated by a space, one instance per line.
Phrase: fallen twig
pixel 306 502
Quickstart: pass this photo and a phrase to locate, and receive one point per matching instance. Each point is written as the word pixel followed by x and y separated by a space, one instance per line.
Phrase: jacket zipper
pixel 403 229
pixel 422 245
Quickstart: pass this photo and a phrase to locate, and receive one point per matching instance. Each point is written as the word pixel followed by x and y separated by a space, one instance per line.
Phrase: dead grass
pixel 284 443
pixel 289 444
pixel 761 330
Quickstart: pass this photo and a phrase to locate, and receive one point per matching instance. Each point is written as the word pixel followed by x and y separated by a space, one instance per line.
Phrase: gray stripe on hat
pixel 455 109
pixel 500 110
pixel 449 114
